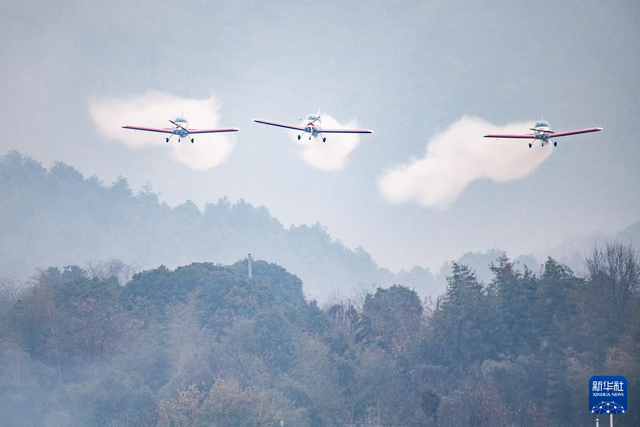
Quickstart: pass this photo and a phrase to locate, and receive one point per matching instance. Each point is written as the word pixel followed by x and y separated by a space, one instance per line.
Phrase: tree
pixel 556 303
pixel 226 405
pixel 391 318
pixel 122 271
pixel 614 281
pixel 514 296
pixel 459 330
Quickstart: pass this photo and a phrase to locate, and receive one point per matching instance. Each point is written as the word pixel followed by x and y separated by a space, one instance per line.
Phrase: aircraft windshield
pixel 542 124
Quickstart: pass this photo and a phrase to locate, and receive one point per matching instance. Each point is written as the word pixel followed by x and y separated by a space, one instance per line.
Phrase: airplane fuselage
pixel 180 126
pixel 541 132
pixel 313 125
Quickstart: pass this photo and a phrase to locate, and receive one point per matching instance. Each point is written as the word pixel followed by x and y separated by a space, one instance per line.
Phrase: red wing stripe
pixel 322 130
pixel 510 136
pixel 282 125
pixel 574 132
pixel 148 129
pixel 194 131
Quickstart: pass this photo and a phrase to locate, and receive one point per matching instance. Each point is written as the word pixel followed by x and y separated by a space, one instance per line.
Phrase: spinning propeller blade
pixel 177 125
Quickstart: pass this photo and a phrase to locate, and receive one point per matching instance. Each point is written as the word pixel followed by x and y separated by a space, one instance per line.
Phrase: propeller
pixel 177 125
pixel 545 131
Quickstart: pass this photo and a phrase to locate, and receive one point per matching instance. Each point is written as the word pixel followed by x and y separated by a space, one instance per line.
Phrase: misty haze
pixel 402 271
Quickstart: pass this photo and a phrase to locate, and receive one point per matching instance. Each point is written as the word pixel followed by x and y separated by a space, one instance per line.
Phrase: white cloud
pixel 154 109
pixel 457 157
pixel 331 155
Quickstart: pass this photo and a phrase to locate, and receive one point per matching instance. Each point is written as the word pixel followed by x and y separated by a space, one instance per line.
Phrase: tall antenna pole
pixel 249 267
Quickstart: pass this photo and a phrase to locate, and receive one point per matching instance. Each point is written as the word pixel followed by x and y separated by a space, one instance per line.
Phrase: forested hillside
pixel 58 217
pixel 205 345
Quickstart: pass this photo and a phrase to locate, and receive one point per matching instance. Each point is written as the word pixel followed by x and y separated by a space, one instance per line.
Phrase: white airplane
pixel 180 128
pixel 312 126
pixel 542 132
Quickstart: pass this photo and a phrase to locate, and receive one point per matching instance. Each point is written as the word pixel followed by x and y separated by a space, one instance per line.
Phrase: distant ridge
pixel 57 217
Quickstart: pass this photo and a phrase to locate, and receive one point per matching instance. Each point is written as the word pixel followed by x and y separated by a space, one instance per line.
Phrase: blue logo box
pixel 608 395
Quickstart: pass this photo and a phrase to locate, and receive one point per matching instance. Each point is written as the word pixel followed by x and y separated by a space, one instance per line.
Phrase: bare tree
pixel 614 272
pixel 122 271
pixel 10 290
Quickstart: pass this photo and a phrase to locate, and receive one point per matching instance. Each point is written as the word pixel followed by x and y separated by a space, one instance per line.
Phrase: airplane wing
pixel 161 130
pixel 282 125
pixel 323 130
pixel 192 131
pixel 574 132
pixel 528 136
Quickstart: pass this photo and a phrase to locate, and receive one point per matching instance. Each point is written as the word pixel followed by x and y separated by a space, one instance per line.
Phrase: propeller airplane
pixel 543 133
pixel 180 128
pixel 312 126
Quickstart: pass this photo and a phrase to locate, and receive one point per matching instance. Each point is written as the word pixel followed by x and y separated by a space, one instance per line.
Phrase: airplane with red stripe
pixel 312 126
pixel 543 133
pixel 180 128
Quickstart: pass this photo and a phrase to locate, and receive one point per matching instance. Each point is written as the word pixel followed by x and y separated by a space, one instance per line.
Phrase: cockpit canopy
pixel 180 120
pixel 312 117
pixel 541 125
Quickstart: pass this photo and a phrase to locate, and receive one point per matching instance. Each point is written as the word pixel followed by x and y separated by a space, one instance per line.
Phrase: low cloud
pixel 332 155
pixel 154 109
pixel 457 157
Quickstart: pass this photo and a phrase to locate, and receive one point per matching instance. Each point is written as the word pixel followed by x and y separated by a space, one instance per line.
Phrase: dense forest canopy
pixel 205 345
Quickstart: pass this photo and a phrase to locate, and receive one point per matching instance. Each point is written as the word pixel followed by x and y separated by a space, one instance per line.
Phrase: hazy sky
pixel 415 72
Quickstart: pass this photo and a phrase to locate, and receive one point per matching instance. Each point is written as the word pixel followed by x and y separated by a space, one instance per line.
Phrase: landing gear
pixel 530 145
pixel 167 140
pixel 324 139
pixel 299 136
pixel 192 140
pixel 555 143
pixel 178 139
